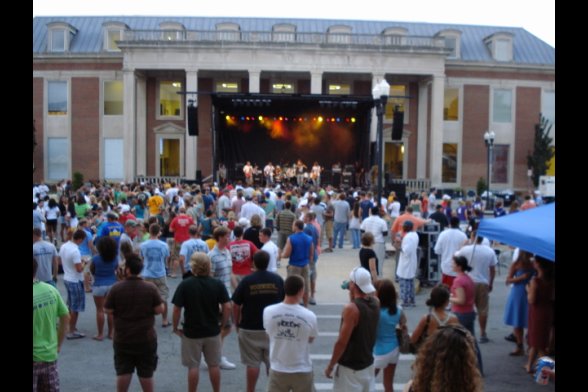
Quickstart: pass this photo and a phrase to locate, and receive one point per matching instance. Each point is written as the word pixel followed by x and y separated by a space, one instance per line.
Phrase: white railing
pixel 414 185
pixel 182 37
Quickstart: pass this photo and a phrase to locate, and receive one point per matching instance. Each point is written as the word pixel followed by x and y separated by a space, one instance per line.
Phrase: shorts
pixel 391 358
pixel 312 271
pixel 45 376
pixel 254 347
pixel 347 379
pixel 482 298
pixel 52 224
pixel 286 382
pixel 193 349
pixel 100 291
pixel 282 238
pixel 76 296
pixel 303 272
pixel 329 229
pixel 161 284
pixel 142 356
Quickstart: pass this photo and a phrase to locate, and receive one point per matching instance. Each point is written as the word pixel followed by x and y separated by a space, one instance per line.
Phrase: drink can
pixel 540 377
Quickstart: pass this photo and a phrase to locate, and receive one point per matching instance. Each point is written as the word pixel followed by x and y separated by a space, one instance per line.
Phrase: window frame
pixel 227 90
pixel 493 103
pixel 443 179
pixel 389 109
pixel 67 95
pixel 104 97
pixel 160 116
pixel 447 88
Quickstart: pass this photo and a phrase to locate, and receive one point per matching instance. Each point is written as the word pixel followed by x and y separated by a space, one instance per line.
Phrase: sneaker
pixel 484 339
pixel 225 364
pixel 510 338
pixel 312 301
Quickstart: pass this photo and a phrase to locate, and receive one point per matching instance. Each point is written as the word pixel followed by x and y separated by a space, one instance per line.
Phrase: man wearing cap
pixel 407 264
pixel 353 350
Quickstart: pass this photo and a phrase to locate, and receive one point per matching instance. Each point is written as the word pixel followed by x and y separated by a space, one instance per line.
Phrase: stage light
pixel 242 118
pixel 320 119
pixel 333 119
pixel 260 118
pixel 338 119
pixel 281 118
pixel 228 118
pixel 352 119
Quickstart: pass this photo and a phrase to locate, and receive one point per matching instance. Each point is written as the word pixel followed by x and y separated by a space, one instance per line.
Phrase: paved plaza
pixel 87 365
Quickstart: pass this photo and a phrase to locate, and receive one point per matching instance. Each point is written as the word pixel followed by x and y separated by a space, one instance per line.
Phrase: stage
pixel 282 128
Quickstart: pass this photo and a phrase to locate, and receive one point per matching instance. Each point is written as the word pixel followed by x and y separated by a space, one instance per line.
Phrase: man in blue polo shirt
pixel 300 250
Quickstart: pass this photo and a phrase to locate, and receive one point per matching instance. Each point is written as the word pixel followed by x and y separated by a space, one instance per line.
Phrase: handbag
pixel 403 340
pixel 414 347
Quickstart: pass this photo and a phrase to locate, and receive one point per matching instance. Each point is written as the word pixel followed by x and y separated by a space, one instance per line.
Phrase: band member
pixel 300 169
pixel 222 174
pixel 248 171
pixel 291 173
pixel 278 174
pixel 268 172
pixel 315 174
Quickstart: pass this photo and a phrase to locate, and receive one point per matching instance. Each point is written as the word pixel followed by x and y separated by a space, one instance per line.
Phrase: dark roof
pixel 528 49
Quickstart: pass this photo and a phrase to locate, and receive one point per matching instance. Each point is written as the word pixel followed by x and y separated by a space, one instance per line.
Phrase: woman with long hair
pixel 447 363
pixel 354 225
pixel 515 310
pixel 541 297
pixel 104 266
pixel 386 351
pixel 437 317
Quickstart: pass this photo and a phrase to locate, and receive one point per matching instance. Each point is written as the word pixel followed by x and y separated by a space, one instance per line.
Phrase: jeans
pixel 355 238
pixel 468 321
pixel 339 232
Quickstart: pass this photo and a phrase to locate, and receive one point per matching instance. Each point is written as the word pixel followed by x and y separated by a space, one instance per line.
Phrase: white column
pixel 129 124
pixel 436 152
pixel 254 81
pixel 141 120
pixel 316 82
pixel 191 144
pixel 422 130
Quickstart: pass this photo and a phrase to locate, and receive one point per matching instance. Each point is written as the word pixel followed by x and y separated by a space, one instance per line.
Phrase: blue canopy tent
pixel 531 230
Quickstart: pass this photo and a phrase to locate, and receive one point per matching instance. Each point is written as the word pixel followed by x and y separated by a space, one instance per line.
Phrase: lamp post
pixel 489 140
pixel 380 96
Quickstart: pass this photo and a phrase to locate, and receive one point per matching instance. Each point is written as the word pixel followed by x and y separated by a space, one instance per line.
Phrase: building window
pixel 284 33
pixel 57 158
pixel 283 88
pixel 227 87
pixel 548 106
pixel 502 50
pixel 170 102
pixel 228 32
pixel 58 40
pixel 500 45
pixel 339 89
pixel 339 34
pixel 397 92
pixel 113 159
pixel 113 98
pixel 57 98
pixel 394 35
pixel 451 43
pixel 451 104
pixel 500 164
pixel 502 106
pixel 449 168
pixel 113 36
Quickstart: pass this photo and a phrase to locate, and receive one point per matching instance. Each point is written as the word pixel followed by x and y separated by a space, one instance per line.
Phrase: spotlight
pixel 260 118
pixel 227 117
pixel 352 119
pixel 320 119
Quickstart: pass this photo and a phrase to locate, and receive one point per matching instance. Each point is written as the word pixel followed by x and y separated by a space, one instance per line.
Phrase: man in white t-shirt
pixel 483 261
pixel 450 241
pixel 291 329
pixel 73 278
pixel 265 237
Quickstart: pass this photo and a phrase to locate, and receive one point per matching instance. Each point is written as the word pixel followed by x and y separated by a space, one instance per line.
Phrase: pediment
pixel 169 128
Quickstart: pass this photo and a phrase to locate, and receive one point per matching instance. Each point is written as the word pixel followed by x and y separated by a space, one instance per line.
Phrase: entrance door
pixel 394 160
pixel 169 157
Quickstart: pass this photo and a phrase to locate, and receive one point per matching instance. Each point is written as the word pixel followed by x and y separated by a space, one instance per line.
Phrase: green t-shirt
pixel 48 306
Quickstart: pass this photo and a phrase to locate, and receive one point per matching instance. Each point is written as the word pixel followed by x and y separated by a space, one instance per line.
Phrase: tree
pixel 538 161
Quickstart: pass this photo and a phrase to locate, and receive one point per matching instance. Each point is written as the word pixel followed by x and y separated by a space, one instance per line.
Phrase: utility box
pixel 547 186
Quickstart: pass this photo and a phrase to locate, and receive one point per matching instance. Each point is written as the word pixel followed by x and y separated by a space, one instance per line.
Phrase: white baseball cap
pixel 362 278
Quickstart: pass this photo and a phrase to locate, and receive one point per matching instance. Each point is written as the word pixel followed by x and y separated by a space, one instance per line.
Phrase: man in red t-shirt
pixel 242 252
pixel 180 226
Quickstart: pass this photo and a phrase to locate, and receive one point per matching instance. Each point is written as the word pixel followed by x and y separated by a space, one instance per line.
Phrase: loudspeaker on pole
pixel 397 125
pixel 193 120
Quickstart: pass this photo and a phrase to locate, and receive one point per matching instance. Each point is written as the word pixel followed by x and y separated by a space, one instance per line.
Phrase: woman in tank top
pixel 437 317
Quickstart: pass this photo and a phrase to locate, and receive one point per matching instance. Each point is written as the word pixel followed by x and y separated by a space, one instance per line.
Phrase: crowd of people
pixel 125 238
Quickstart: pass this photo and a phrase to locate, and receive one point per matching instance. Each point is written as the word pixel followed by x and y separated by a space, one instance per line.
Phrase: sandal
pixel 519 351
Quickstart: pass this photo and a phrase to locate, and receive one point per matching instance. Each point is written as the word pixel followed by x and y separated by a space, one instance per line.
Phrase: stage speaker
pixel 193 120
pixel 397 125
pixel 400 190
pixel 199 177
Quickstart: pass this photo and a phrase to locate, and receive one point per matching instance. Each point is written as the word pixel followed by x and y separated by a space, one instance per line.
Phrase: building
pixel 111 96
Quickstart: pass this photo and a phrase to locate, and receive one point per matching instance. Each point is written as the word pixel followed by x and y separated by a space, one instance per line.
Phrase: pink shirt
pixel 467 284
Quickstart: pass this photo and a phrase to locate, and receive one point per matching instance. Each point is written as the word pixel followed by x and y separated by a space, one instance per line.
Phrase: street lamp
pixel 489 140
pixel 380 95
